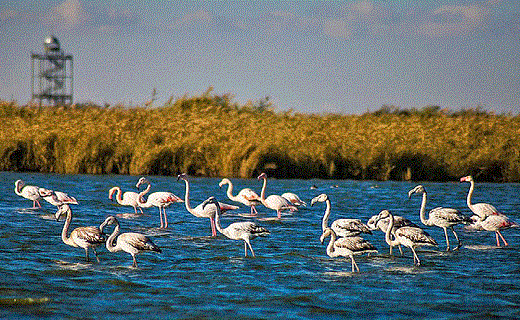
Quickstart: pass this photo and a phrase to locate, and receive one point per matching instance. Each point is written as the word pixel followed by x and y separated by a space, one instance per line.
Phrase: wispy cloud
pixel 195 18
pixel 68 15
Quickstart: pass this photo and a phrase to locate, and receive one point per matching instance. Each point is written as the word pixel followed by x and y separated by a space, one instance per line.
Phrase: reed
pixel 210 135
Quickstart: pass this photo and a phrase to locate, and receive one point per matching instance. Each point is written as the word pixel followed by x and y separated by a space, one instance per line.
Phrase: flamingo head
pixel 62 209
pixel 321 198
pixel 372 222
pixel 223 182
pixel 19 183
pixel 142 181
pixel 111 192
pixel 210 200
pixel 182 176
pixel 417 189
pixel 326 233
pixel 383 215
pixel 108 220
pixel 466 179
pixel 45 192
pixel 262 176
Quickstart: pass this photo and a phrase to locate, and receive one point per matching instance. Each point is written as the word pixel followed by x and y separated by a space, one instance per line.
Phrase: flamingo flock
pixel 345 233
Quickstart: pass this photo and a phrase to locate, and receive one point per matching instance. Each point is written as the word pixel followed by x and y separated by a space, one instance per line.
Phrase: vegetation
pixel 210 135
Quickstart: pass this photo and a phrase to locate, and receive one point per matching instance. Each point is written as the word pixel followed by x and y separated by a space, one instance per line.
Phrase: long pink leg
pixel 279 214
pixel 160 217
pixel 213 228
pixel 165 218
pixel 496 236
pixel 500 234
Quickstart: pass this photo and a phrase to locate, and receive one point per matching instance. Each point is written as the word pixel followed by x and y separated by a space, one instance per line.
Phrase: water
pixel 197 276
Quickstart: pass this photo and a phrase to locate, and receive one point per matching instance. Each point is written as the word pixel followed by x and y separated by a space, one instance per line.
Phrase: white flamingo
pixel 161 200
pixel 31 192
pixel 495 223
pixel 411 237
pixel 246 196
pixel 274 202
pixel 128 198
pixel 346 247
pixel 130 242
pixel 440 217
pixel 294 199
pixel 82 237
pixel 200 211
pixel 57 198
pixel 374 223
pixel 246 230
pixel 341 227
pixel 481 209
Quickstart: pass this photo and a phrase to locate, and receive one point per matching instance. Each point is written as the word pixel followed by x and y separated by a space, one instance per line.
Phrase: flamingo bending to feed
pixel 130 242
pixel 82 237
pixel 31 192
pixel 382 224
pixel 246 230
pixel 274 202
pixel 57 198
pixel 489 218
pixel 346 247
pixel 440 217
pixel 128 198
pixel 294 199
pixel 341 227
pixel 160 199
pixel 246 196
pixel 201 211
pixel 411 237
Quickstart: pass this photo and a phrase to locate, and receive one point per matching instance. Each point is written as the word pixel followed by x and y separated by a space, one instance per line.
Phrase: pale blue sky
pixel 310 56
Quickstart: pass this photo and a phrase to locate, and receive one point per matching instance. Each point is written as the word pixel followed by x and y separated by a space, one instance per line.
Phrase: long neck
pixel 229 192
pixel 65 231
pixel 423 210
pixel 187 197
pixel 217 220
pixel 470 194
pixel 110 241
pixel 145 191
pixel 18 188
pixel 388 238
pixel 119 195
pixel 325 220
pixel 142 202
pixel 330 246
pixel 262 194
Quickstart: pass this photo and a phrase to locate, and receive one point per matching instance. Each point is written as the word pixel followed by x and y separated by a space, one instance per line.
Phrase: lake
pixel 291 277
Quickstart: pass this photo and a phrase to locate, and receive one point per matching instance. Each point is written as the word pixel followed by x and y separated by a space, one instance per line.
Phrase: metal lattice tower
pixel 52 78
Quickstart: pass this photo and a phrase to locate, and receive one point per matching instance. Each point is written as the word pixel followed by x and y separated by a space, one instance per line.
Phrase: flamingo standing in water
pixel 382 224
pixel 130 242
pixel 31 192
pixel 57 198
pixel 246 230
pixel 489 218
pixel 246 196
pixel 411 237
pixel 274 202
pixel 201 211
pixel 128 198
pixel 440 217
pixel 294 199
pixel 341 227
pixel 160 199
pixel 346 247
pixel 82 237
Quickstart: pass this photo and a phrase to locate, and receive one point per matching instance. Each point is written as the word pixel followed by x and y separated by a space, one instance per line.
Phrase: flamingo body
pixel 274 202
pixel 31 192
pixel 245 196
pixel 294 199
pixel 160 199
pixel 57 198
pixel 128 198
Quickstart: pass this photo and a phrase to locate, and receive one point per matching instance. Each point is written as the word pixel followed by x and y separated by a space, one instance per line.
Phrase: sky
pixel 345 57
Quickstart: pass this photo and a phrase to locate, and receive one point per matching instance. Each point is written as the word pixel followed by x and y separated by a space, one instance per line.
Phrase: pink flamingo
pixel 480 209
pixel 160 200
pixel 128 198
pixel 274 202
pixel 246 196
pixel 294 199
pixel 201 211
pixel 57 198
pixel 31 192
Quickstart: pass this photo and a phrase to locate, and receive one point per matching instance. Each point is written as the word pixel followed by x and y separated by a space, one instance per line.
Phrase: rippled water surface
pixel 198 276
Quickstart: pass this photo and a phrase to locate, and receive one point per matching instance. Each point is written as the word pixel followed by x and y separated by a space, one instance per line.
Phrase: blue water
pixel 197 276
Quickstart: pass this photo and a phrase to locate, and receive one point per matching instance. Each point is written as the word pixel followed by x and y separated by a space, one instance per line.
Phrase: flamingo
pixel 346 247
pixel 341 227
pixel 128 198
pixel 411 237
pixel 274 202
pixel 246 230
pixel 58 197
pixel 440 217
pixel 31 192
pixel 83 237
pixel 130 242
pixel 481 209
pixel 294 199
pixel 203 212
pixel 495 223
pixel 158 199
pixel 382 224
pixel 246 196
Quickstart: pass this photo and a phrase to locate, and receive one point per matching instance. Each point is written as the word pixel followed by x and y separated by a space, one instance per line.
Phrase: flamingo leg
pixel 354 264
pixel 416 260
pixel 505 242
pixel 86 254
pixel 160 217
pixel 213 228
pixel 279 212
pixel 96 254
pixel 400 249
pixel 447 239
pixel 253 210
pixel 165 218
pixel 250 247
pixel 458 240
pixel 391 247
pixel 134 264
pixel 496 236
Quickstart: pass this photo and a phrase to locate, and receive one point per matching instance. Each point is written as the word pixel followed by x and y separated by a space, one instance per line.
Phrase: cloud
pixel 68 15
pixel 199 17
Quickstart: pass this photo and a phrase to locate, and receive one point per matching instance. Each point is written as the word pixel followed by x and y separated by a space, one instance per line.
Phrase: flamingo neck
pixel 229 191
pixel 423 210
pixel 217 220
pixel 470 194
pixel 262 194
pixel 330 246
pixel 142 193
pixel 110 241
pixel 119 194
pixel 388 238
pixel 325 220
pixel 66 239
pixel 187 197
pixel 18 187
